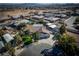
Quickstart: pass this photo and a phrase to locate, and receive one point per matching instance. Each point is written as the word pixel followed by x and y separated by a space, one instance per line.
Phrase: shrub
pixel 27 39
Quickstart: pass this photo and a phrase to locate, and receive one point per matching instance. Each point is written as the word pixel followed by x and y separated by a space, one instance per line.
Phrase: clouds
pixel 39 1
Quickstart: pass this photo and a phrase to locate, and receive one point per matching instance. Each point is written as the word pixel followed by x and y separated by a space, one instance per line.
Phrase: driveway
pixel 34 49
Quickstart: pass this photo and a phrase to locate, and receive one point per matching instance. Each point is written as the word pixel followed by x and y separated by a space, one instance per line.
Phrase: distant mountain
pixel 38 5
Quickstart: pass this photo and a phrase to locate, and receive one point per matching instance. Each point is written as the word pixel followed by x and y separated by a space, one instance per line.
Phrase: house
pixel 48 24
pixel 24 21
pixel 20 21
pixel 4 18
pixel 15 16
pixel 1 45
pixel 35 27
pixel 52 19
pixel 7 37
pixel 61 15
pixel 37 17
pixel 52 27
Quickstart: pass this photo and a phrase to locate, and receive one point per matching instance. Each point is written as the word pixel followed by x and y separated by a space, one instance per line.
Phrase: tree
pixel 35 36
pixel 74 10
pixel 42 22
pixel 10 49
pixel 76 21
pixel 1 32
pixel 20 26
pixel 18 39
pixel 68 44
pixel 62 29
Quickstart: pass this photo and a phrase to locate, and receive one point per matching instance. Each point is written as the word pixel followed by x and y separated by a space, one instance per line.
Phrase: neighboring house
pixel 52 27
pixel 61 15
pixel 1 45
pixel 36 17
pixel 35 27
pixel 52 19
pixel 3 18
pixel 21 21
pixel 48 24
pixel 7 37
pixel 15 16
pixel 24 21
pixel 2 48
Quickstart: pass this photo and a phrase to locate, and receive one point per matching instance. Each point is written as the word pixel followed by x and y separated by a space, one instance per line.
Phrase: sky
pixel 39 1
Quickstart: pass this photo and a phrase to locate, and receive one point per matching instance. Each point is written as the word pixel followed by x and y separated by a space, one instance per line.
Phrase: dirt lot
pixel 18 12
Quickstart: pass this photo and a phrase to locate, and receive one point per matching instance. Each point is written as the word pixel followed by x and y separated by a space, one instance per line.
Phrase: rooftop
pixel 1 44
pixel 53 26
pixel 7 37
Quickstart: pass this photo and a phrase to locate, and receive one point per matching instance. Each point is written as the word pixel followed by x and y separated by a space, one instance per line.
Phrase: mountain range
pixel 39 5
